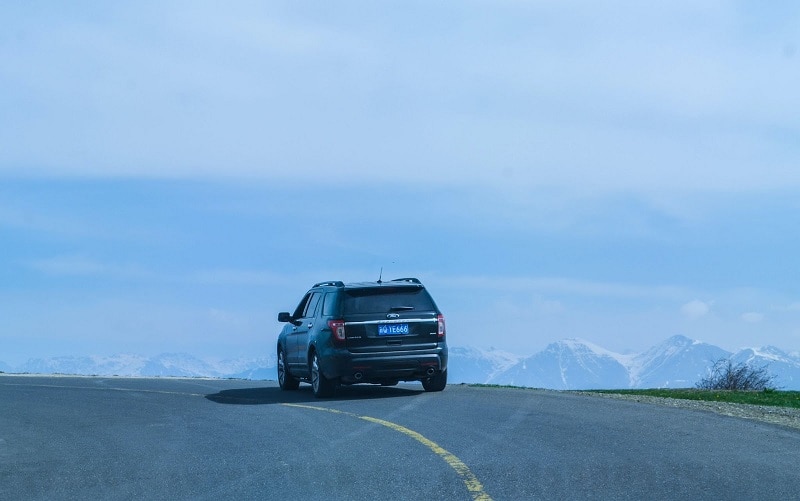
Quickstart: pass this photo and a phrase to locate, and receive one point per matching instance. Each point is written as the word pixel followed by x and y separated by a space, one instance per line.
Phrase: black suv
pixel 369 332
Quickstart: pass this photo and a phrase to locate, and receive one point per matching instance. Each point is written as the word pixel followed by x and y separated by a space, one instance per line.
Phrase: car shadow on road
pixel 274 395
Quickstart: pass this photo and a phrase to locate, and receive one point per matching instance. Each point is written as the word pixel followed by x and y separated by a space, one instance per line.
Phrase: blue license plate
pixel 392 329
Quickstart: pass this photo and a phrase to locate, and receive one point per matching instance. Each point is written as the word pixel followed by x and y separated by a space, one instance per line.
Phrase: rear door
pixel 390 318
pixel 297 340
pixel 309 318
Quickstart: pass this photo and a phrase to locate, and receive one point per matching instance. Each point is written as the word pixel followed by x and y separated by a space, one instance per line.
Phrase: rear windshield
pixel 387 299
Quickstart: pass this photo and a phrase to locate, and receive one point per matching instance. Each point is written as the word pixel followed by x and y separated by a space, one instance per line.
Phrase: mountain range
pixel 163 365
pixel 573 364
pixel 570 364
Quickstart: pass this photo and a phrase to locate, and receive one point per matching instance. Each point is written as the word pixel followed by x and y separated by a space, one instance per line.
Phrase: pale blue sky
pixel 616 171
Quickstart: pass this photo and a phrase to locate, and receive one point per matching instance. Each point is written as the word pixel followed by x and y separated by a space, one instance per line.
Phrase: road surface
pixel 138 438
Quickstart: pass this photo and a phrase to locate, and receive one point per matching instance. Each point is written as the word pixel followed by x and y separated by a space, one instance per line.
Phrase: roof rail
pixel 332 283
pixel 410 280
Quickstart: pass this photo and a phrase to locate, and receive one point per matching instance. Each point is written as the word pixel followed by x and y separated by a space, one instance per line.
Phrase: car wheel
pixel 322 386
pixel 285 379
pixel 435 383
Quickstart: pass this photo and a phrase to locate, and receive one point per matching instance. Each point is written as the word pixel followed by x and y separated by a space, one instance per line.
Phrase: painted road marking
pixel 472 483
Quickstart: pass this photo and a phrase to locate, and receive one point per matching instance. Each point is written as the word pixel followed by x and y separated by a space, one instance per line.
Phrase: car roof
pixel 401 282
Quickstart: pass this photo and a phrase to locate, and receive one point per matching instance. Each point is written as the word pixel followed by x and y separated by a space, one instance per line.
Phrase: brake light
pixel 440 320
pixel 337 332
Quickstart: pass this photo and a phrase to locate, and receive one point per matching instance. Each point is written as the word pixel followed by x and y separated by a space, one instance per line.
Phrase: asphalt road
pixel 118 438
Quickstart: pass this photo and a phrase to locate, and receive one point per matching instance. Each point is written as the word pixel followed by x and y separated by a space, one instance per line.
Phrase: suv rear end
pixel 369 332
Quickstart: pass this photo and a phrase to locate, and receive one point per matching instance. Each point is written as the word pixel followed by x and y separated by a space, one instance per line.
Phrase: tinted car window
pixel 329 304
pixel 312 304
pixel 385 299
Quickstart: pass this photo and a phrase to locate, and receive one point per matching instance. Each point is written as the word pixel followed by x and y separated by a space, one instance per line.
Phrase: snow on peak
pixel 582 345
pixel 768 353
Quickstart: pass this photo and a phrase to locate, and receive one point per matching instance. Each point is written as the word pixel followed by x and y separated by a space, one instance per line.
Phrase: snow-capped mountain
pixel 569 364
pixel 472 365
pixel 90 365
pixel 165 364
pixel 784 366
pixel 678 362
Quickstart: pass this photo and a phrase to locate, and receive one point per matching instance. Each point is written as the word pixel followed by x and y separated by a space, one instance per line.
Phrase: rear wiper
pixel 401 308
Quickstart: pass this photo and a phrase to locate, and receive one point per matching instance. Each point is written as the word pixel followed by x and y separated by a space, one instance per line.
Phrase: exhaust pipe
pixel 430 372
pixel 358 376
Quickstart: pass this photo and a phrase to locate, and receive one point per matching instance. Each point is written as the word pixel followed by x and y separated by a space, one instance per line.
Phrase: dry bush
pixel 725 375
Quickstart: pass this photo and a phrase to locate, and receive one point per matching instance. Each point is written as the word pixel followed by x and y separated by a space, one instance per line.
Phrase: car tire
pixel 321 386
pixel 285 379
pixel 435 383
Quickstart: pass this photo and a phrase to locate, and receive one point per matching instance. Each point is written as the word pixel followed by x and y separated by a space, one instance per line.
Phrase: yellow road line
pixel 472 483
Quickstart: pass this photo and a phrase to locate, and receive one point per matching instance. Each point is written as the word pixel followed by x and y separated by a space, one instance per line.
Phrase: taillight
pixel 440 320
pixel 337 331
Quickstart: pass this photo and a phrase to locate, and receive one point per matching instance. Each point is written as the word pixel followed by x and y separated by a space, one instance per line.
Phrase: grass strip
pixel 773 398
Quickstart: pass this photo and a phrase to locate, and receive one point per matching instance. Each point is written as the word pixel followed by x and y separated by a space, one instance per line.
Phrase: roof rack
pixel 332 283
pixel 409 280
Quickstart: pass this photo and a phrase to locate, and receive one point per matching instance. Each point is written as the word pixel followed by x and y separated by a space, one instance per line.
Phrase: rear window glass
pixel 329 304
pixel 387 299
pixel 311 309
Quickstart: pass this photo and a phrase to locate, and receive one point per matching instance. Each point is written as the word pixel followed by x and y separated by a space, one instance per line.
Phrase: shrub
pixel 725 375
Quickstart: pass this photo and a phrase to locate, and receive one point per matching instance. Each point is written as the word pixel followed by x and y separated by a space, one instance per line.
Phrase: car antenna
pixel 380 276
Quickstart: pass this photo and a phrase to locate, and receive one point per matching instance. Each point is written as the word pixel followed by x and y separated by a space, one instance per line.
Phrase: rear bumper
pixel 380 367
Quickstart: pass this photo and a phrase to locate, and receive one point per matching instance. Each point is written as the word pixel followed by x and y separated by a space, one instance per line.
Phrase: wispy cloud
pixel 76 265
pixel 629 99
pixel 82 266
pixel 696 309
pixel 44 221
pixel 240 277
pixel 563 286
pixel 752 317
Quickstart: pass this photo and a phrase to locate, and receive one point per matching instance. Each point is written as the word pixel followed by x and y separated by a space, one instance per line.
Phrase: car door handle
pixel 310 325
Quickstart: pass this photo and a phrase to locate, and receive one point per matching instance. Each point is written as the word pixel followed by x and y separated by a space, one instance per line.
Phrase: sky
pixel 174 174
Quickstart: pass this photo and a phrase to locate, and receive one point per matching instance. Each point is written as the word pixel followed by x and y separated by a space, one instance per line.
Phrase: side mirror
pixel 284 316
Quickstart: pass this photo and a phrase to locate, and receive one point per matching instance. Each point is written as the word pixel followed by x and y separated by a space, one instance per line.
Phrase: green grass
pixel 773 398
pixel 511 386
pixel 768 397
